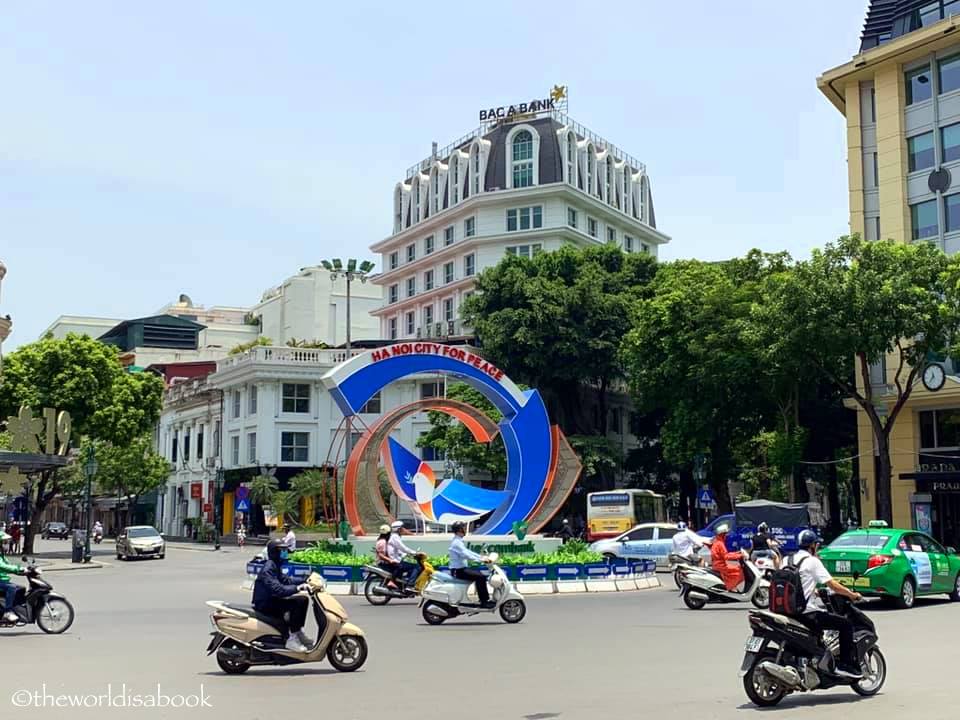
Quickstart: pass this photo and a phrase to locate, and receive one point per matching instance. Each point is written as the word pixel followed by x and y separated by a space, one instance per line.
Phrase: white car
pixel 649 541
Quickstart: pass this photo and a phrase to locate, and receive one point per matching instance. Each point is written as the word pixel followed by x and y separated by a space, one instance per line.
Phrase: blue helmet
pixel 807 538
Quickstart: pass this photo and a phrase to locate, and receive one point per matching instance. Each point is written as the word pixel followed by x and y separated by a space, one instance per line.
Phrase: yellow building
pixel 901 99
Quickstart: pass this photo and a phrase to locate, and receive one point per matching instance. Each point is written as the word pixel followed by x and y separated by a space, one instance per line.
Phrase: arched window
pixel 591 170
pixel 625 193
pixel 571 159
pixel 415 200
pixel 453 180
pixel 397 210
pixel 644 199
pixel 475 180
pixel 435 204
pixel 609 189
pixel 522 164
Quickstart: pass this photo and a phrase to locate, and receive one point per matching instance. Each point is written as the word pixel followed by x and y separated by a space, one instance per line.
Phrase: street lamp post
pixel 89 469
pixel 352 271
pixel 217 512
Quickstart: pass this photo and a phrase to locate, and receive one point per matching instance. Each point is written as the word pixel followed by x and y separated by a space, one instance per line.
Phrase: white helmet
pixel 723 529
pixel 681 525
pixel 384 529
pixel 3 536
pixel 396 525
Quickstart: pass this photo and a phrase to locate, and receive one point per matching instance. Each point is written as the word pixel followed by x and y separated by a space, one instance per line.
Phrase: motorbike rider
pixel 815 614
pixel 398 550
pixel 721 558
pixel 8 588
pixel 383 555
pixel 566 532
pixel 763 542
pixel 459 554
pixel 687 544
pixel 275 594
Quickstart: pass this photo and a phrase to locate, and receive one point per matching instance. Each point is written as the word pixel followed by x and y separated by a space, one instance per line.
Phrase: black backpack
pixel 786 590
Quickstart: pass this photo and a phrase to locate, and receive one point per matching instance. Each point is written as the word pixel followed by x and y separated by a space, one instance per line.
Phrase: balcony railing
pixel 269 355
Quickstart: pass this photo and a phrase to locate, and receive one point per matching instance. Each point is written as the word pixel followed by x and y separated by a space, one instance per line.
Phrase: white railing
pixel 286 356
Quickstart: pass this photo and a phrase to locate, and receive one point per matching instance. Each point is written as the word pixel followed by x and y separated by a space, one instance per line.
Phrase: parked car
pixel 140 541
pixel 55 530
pixel 897 564
pixel 648 541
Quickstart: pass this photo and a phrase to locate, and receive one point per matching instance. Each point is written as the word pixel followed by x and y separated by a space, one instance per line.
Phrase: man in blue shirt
pixel 459 555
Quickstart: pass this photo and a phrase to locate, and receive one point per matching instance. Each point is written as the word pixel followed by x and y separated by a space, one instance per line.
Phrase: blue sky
pixel 215 148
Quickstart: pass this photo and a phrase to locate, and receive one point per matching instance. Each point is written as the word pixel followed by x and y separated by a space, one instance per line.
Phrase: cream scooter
pixel 245 637
pixel 700 586
pixel 445 597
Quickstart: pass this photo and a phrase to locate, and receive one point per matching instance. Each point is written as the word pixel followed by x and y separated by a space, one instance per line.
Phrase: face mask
pixel 284 554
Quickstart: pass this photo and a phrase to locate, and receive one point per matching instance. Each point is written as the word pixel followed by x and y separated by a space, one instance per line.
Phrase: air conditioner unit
pixel 419 333
pixel 438 330
pixel 450 327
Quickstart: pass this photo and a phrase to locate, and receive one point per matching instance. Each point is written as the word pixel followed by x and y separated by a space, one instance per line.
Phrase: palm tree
pixel 286 506
pixel 307 487
pixel 263 488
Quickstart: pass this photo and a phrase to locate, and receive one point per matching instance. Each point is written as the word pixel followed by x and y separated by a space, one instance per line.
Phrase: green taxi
pixel 897 564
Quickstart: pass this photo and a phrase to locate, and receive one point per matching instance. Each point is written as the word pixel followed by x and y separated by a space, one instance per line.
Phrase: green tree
pixel 287 504
pixel 130 470
pixel 83 377
pixel 687 356
pixel 451 438
pixel 870 302
pixel 556 321
pixel 263 488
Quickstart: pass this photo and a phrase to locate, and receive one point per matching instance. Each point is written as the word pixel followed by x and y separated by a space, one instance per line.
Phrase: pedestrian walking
pixel 241 535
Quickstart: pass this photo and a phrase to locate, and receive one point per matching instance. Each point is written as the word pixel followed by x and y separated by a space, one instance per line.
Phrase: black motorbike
pixel 784 656
pixel 38 603
pixel 380 587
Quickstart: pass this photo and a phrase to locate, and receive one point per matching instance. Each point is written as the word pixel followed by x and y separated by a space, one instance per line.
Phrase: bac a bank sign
pixel 556 101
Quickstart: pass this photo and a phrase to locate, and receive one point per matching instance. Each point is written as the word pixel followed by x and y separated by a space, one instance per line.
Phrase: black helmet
pixel 459 526
pixel 807 538
pixel 762 527
pixel 274 548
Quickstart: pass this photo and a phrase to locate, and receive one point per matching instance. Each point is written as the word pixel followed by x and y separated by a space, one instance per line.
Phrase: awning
pixel 30 462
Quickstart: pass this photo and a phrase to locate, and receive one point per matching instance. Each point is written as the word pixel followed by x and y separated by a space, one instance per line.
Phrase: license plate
pixel 843 566
pixel 754 644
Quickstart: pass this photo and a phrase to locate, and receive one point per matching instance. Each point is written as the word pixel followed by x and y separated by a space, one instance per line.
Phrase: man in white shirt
pixel 815 614
pixel 289 539
pixel 398 550
pixel 687 544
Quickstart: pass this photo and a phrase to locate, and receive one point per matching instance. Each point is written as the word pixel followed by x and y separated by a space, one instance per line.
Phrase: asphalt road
pixel 623 655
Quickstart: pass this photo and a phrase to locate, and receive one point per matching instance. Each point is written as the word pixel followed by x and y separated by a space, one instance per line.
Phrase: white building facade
pixel 517 188
pixel 6 324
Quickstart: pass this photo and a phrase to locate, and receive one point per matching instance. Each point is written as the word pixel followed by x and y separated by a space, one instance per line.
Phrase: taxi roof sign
pixel 878 524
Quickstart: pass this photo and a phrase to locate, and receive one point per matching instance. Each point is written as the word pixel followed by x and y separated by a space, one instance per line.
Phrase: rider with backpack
pixel 793 592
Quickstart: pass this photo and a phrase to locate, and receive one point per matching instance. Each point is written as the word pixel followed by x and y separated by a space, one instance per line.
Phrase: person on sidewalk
pixel 460 555
pixel 8 588
pixel 289 539
pixel 275 594
pixel 241 535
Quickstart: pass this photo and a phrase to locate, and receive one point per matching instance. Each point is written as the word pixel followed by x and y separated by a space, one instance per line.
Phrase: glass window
pixel 448 273
pixel 950 136
pixel 872 225
pixel 236 403
pixel 200 442
pixel 428 280
pixel 591 227
pixel 923 217
pixel 173 449
pixel 411 286
pixel 296 398
pixel 428 316
pixel 628 243
pixel 394 260
pixel 919 152
pixel 522 175
pixel 469 227
pixel 638 534
pixel 372 406
pixel 951 210
pixel 524 218
pixel 571 217
pixel 430 390
pixel 644 247
pixel 428 245
pixel 948 428
pixel 294 446
pixel 469 265
pixel 949 74
pixel 870 541
pixel 951 7
pixel 511 220
pixel 252 400
pixel 524 250
pixel 448 309
pixel 235 449
pixel 927 15
pixel 186 446
pixel 448 236
pixel 410 323
pixel 918 85
pixel 411 252
pixel 522 159
pixel 928 438
pixel 611 235
pixel 251 447
pixel 394 293
pixel 392 328
pixel 538 216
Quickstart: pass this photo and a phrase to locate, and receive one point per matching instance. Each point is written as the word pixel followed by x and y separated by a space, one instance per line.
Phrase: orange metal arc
pixel 551 473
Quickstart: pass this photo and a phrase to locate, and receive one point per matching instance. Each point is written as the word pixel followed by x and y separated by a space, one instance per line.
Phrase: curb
pixel 75 566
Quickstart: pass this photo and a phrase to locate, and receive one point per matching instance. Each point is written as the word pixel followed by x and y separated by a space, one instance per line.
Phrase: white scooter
pixel 445 597
pixel 701 586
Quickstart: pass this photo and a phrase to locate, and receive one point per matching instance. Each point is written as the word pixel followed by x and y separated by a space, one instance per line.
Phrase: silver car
pixel 140 541
pixel 649 541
